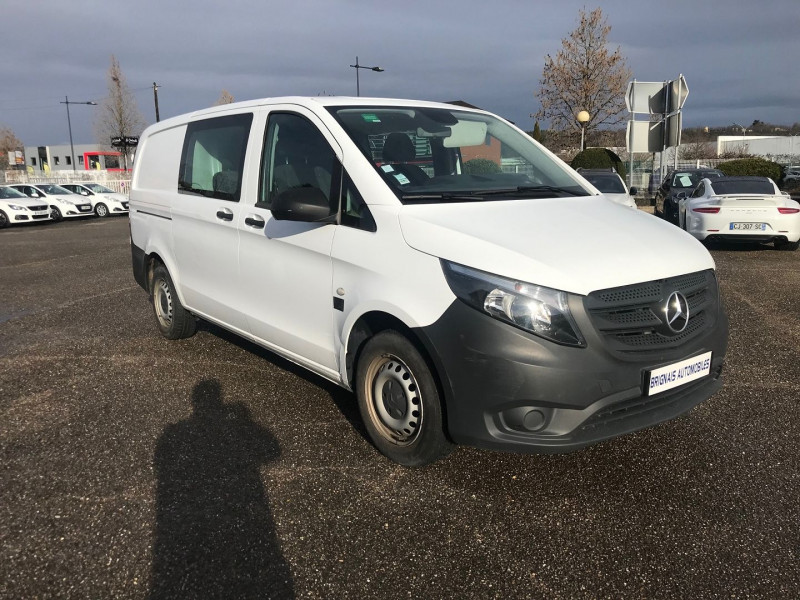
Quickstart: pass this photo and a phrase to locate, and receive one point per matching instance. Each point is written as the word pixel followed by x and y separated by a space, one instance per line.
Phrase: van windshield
pixel 435 154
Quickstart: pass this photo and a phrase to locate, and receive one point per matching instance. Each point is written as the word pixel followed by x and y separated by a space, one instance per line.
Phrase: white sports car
pixel 747 209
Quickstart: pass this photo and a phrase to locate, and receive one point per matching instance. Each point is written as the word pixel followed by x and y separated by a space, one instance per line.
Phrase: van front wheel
pixel 399 401
pixel 173 320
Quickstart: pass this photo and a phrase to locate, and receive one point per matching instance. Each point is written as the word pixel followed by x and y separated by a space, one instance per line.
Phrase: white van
pixel 465 283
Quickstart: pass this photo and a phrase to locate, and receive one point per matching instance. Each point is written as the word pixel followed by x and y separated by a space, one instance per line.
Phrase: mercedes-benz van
pixel 464 282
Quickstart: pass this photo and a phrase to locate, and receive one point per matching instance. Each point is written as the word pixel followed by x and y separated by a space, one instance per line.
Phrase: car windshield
pixel 98 189
pixel 7 193
pixel 606 183
pixel 49 188
pixel 690 179
pixel 743 186
pixel 437 155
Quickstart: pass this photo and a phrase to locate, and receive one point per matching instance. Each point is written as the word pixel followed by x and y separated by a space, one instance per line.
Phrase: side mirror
pixel 306 204
pixel 634 191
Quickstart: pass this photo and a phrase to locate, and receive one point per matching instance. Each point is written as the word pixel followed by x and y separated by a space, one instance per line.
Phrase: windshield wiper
pixel 455 196
pixel 477 195
pixel 527 189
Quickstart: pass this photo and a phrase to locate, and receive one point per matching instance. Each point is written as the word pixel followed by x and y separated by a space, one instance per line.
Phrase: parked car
pixel 678 184
pixel 63 203
pixel 502 310
pixel 104 200
pixel 747 209
pixel 16 207
pixel 611 185
pixel 791 174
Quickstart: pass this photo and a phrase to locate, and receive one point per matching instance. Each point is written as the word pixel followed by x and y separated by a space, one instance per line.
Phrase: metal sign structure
pixel 124 141
pixel 663 102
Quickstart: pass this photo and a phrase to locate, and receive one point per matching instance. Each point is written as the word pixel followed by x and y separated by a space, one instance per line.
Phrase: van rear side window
pixel 212 160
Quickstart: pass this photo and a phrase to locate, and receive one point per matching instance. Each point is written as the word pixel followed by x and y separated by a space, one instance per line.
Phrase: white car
pixel 104 201
pixel 611 185
pixel 747 209
pixel 62 202
pixel 16 207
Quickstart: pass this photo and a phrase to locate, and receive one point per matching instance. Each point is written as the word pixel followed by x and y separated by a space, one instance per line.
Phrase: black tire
pixel 399 401
pixel 172 319
pixel 788 246
pixel 4 222
pixel 671 215
pixel 55 214
pixel 101 210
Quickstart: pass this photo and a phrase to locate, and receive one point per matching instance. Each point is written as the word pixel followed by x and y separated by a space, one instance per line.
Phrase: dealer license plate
pixel 749 226
pixel 679 373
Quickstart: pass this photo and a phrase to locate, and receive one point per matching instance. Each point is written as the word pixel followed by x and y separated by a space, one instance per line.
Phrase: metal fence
pixel 117 181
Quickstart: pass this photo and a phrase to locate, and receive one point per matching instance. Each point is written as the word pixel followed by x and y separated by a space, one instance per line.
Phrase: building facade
pixel 87 157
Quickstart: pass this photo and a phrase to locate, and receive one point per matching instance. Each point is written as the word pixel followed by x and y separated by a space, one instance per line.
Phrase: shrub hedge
pixel 598 158
pixel 481 166
pixel 752 166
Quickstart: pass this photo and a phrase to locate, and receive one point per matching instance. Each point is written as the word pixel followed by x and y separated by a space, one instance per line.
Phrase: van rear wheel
pixel 400 402
pixel 173 320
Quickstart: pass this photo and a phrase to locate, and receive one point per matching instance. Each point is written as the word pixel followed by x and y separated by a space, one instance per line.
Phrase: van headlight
pixel 534 308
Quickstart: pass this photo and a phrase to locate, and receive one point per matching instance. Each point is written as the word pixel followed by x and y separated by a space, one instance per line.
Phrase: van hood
pixel 576 245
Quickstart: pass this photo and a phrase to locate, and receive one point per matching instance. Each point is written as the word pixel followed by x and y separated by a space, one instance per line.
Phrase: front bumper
pixel 78 210
pixel 510 390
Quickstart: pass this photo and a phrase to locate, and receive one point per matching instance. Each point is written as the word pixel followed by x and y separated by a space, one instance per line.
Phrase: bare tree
pixel 9 142
pixel 225 97
pixel 584 75
pixel 697 151
pixel 118 115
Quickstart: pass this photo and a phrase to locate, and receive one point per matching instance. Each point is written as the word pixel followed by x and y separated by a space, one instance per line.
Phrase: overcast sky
pixel 739 57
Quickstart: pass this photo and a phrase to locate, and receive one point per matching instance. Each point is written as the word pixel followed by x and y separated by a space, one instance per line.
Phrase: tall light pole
pixel 357 67
pixel 155 99
pixel 69 124
pixel 583 118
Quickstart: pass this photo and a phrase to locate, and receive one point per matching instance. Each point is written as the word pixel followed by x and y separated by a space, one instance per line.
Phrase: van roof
pixel 309 101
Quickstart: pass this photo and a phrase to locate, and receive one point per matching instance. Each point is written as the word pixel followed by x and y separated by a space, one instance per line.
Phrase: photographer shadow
pixel 215 536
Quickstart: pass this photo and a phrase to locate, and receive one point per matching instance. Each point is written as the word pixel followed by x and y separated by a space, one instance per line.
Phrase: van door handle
pixel 254 221
pixel 225 214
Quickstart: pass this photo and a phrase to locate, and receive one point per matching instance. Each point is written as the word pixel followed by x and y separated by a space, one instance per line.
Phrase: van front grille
pixel 633 319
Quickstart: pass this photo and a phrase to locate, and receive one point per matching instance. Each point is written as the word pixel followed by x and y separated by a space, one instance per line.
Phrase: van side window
pixel 355 212
pixel 295 155
pixel 212 160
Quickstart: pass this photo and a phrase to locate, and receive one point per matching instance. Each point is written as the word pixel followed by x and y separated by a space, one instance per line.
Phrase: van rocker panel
pixel 507 389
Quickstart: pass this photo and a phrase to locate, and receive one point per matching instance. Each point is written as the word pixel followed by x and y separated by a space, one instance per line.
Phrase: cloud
pixel 735 57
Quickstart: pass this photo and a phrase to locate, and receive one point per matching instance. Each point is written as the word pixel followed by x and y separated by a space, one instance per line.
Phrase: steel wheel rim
pixel 394 400
pixel 163 304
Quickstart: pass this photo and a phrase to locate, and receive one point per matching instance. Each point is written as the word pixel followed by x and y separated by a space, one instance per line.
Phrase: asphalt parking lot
pixel 131 466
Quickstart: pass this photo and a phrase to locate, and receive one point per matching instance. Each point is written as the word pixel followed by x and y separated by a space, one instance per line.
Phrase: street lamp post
pixel 69 124
pixel 583 118
pixel 357 67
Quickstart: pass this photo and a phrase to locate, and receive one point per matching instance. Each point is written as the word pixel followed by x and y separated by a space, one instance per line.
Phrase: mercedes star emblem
pixel 677 312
